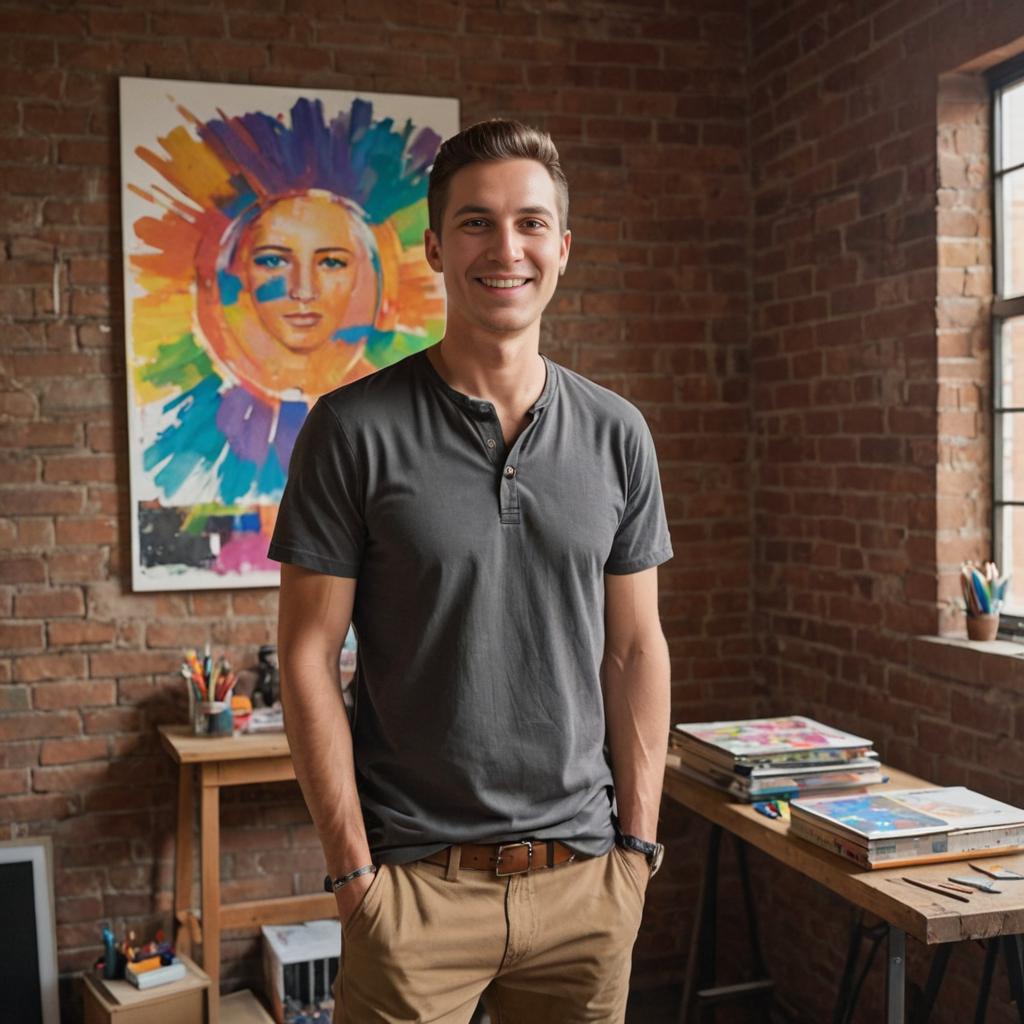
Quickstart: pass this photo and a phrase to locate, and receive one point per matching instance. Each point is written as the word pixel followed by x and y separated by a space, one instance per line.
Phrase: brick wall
pixel 870 377
pixel 647 101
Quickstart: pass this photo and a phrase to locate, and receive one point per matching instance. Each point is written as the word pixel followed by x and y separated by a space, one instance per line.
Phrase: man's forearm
pixel 637 709
pixel 321 745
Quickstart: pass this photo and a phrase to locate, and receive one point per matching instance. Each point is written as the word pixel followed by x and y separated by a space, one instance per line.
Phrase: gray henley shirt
pixel 479 608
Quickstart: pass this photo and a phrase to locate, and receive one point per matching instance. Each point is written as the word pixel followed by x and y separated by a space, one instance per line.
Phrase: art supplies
pixel 935 888
pixel 984 589
pixel 975 882
pixel 760 758
pixel 173 971
pixel 210 692
pixel 911 826
pixel 997 871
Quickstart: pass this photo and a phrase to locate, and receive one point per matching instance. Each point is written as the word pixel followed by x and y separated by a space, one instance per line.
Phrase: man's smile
pixel 503 283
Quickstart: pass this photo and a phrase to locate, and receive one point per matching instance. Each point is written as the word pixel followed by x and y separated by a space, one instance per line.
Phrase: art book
pixel 780 781
pixel 909 826
pixel 788 740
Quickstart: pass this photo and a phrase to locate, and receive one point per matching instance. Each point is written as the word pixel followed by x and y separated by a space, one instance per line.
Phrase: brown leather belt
pixel 508 858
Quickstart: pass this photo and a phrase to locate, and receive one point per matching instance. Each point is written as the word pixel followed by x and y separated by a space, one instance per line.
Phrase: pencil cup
pixel 217 718
pixel 982 627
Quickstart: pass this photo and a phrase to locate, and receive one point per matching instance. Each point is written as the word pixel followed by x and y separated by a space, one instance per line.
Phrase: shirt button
pixel 484 407
pixel 510 471
pixel 490 442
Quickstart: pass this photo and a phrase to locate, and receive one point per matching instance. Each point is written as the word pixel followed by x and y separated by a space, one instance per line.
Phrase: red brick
pixel 56 696
pixel 72 750
pixel 17 809
pixel 76 634
pixel 69 780
pixel 41 500
pixel 94 530
pixel 22 570
pixel 132 663
pixel 33 668
pixel 21 637
pixel 112 719
pixel 77 566
pixel 46 604
pixel 34 724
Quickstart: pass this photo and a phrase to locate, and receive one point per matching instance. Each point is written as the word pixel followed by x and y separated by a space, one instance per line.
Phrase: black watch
pixel 654 852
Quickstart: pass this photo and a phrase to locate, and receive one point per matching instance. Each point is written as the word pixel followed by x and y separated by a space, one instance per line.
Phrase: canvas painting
pixel 273 251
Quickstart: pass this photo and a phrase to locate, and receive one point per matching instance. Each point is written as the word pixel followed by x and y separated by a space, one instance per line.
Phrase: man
pixel 491 522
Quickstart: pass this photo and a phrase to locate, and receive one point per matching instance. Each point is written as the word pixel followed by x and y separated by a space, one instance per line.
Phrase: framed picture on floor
pixel 28 931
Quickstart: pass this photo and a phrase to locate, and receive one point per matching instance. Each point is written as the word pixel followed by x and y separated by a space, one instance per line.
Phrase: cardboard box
pixel 301 961
pixel 120 1002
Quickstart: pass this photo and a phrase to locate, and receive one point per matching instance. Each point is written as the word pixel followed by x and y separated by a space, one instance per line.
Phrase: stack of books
pixel 774 758
pixel 909 826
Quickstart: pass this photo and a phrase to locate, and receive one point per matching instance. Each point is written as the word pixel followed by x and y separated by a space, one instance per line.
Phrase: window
pixel 1008 334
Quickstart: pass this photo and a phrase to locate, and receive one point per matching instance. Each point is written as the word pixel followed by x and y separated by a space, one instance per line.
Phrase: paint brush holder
pixel 982 627
pixel 212 718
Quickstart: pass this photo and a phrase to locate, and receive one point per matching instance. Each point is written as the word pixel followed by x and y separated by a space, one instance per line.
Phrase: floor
pixel 661 1006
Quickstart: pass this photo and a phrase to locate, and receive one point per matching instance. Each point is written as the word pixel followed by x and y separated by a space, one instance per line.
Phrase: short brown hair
pixel 486 141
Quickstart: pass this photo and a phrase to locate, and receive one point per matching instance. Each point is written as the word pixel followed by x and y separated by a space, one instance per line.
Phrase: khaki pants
pixel 550 947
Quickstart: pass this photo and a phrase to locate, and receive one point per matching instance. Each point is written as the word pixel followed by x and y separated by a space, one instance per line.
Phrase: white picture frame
pixel 36 853
pixel 218 382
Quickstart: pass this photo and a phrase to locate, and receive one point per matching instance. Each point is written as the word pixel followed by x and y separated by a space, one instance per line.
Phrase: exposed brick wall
pixel 756 262
pixel 870 378
pixel 648 103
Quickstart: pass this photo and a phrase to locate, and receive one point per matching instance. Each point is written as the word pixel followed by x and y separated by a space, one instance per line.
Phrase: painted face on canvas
pixel 501 248
pixel 301 261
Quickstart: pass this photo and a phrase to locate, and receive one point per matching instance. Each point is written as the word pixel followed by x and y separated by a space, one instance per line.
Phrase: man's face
pixel 501 249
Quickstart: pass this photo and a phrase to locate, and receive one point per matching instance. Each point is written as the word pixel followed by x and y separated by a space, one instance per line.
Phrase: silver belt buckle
pixel 521 871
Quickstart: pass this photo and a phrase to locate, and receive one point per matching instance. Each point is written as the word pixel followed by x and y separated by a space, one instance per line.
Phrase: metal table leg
pixel 896 976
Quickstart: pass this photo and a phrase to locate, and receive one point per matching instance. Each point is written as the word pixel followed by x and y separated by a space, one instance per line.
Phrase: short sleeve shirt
pixel 479 606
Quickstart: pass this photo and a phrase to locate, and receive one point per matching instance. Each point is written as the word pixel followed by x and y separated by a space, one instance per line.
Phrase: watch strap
pixel 654 852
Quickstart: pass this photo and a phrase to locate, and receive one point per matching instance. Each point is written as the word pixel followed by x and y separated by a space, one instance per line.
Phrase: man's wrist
pixel 336 884
pixel 654 853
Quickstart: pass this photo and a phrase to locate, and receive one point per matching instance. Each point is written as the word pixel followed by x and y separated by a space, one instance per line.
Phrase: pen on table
pixel 956 888
pixel 936 889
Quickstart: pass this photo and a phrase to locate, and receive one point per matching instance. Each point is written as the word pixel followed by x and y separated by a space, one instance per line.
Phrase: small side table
pixel 120 1002
pixel 231 761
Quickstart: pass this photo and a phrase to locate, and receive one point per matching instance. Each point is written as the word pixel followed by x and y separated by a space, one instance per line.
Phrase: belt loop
pixel 551 853
pixel 454 860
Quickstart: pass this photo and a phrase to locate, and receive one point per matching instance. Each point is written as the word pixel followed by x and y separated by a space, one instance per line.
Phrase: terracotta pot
pixel 982 627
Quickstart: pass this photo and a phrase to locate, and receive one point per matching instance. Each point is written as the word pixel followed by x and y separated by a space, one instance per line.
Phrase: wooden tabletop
pixel 186 748
pixel 929 918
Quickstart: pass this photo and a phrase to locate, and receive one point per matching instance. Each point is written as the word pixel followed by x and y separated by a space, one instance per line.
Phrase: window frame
pixel 999 79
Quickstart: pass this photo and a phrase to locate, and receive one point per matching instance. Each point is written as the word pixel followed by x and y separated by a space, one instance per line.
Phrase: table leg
pixel 183 861
pixel 981 1007
pixel 936 973
pixel 209 840
pixel 701 954
pixel 843 999
pixel 896 976
pixel 1012 947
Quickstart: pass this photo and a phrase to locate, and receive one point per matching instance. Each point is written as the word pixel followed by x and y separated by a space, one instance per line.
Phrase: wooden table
pixel 929 918
pixel 228 761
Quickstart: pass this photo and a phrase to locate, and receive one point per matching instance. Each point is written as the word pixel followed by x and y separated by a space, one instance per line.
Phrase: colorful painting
pixel 273 246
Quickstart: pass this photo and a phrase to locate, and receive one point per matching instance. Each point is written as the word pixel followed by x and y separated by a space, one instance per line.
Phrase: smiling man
pixel 492 524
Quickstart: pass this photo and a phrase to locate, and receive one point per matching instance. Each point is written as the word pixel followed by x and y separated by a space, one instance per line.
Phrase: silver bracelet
pixel 334 884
